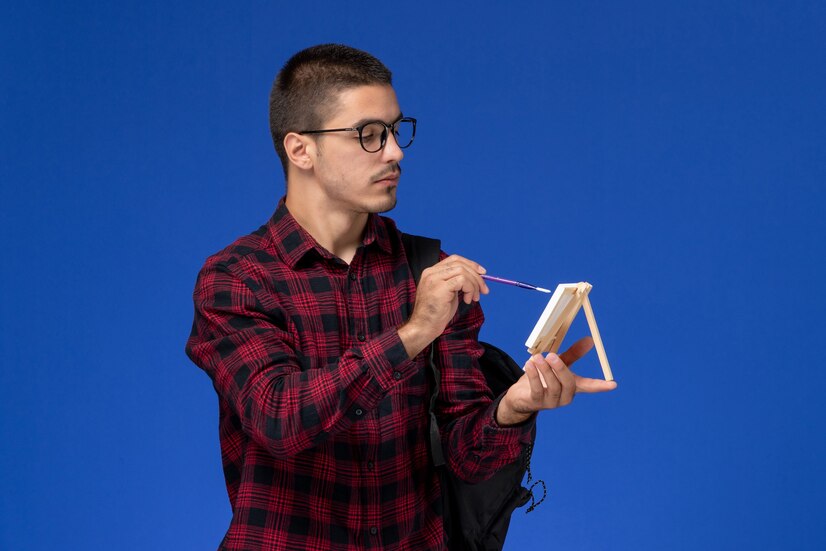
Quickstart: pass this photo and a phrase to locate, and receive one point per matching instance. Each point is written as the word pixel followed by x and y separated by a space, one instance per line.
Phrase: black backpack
pixel 476 516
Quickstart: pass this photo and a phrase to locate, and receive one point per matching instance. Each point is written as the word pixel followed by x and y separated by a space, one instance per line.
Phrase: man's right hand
pixel 437 299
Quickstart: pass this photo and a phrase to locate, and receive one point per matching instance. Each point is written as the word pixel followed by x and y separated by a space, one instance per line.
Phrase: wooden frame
pixel 555 321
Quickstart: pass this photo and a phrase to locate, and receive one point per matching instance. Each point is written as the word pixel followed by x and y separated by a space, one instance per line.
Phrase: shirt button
pixel 370 465
pixel 361 337
pixel 353 276
pixel 374 530
pixel 397 375
pixel 359 412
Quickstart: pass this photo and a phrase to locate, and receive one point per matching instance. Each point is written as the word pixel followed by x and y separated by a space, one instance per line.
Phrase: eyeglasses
pixel 373 134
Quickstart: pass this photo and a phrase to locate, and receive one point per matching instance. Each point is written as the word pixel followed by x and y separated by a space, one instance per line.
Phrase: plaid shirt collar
pixel 292 242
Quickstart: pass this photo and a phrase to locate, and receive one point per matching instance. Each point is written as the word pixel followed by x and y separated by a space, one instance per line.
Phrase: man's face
pixel 352 179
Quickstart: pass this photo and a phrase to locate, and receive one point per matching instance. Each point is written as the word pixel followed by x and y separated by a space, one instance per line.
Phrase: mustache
pixel 395 169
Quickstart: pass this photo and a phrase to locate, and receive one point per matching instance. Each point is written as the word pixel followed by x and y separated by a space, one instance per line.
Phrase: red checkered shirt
pixel 323 416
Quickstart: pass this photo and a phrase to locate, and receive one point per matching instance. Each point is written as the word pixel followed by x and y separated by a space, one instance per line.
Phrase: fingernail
pixel 481 270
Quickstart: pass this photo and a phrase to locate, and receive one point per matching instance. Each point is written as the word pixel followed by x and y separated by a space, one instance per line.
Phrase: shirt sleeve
pixel 251 357
pixel 476 445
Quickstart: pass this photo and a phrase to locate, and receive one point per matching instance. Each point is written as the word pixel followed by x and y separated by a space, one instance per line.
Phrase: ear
pixel 300 150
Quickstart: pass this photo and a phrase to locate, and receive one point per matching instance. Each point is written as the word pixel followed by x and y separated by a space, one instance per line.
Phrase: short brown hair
pixel 304 92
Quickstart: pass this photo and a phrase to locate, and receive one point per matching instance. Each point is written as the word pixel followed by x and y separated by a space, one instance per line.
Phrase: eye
pixel 371 132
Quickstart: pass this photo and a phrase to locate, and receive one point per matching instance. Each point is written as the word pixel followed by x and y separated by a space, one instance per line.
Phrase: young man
pixel 315 337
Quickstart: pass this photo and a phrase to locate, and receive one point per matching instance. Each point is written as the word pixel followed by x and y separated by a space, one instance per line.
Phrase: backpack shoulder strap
pixel 423 252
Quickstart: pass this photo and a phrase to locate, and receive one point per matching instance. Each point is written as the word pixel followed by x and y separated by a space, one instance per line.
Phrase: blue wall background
pixel 671 153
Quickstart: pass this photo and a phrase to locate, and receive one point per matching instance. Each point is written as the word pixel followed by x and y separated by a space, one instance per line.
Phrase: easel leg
pixel 592 324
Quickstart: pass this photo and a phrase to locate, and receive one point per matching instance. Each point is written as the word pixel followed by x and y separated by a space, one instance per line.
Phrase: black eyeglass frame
pixel 385 133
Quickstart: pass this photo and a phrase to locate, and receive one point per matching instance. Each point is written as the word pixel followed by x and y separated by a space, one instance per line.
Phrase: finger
pixel 536 384
pixel 460 283
pixel 474 276
pixel 553 387
pixel 577 350
pixel 439 272
pixel 565 377
pixel 539 364
pixel 475 266
pixel 542 380
pixel 471 283
pixel 445 271
pixel 590 386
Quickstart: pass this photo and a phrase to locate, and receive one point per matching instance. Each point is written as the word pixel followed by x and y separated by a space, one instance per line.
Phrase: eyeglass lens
pixel 374 135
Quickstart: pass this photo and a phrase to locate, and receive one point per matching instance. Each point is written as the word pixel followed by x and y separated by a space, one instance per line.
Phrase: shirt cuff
pixel 386 360
pixel 504 437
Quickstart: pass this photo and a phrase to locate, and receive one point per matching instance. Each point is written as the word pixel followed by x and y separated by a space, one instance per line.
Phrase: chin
pixel 387 207
pixel 385 204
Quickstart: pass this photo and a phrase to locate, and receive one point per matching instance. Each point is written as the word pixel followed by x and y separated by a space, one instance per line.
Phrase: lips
pixel 390 178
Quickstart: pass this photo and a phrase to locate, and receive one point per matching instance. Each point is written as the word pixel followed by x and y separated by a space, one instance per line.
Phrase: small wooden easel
pixel 560 312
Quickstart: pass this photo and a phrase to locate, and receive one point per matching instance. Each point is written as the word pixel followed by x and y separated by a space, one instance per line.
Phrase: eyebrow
pixel 366 120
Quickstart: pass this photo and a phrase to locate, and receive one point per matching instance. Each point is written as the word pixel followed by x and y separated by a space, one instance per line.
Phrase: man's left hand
pixel 548 383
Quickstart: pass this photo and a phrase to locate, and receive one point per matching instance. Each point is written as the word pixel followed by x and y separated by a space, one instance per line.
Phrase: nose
pixel 392 153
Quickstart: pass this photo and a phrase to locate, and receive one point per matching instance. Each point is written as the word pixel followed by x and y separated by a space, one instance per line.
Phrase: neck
pixel 338 230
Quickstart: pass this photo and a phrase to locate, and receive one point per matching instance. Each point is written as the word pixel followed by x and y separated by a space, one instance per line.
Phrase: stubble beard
pixel 391 199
